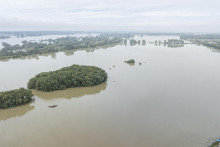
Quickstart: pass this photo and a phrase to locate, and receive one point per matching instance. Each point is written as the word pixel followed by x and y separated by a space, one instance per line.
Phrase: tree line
pixel 56 45
pixel 208 40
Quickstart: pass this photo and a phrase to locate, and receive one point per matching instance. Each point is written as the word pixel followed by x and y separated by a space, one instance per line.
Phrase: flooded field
pixel 13 40
pixel 172 99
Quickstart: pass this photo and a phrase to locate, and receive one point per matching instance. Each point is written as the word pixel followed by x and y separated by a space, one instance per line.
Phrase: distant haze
pixel 110 15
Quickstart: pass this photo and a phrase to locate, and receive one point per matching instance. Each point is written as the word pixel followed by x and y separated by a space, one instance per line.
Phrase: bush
pixel 131 61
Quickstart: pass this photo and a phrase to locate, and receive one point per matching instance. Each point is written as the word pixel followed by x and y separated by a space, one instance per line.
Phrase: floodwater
pixel 172 99
pixel 13 40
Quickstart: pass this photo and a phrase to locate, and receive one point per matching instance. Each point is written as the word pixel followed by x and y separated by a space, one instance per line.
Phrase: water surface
pixel 171 99
pixel 13 40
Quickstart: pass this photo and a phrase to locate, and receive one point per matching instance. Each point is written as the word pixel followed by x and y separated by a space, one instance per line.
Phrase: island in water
pixel 131 61
pixel 15 97
pixel 68 77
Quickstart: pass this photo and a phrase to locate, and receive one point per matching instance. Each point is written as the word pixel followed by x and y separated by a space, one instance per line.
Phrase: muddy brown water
pixel 172 99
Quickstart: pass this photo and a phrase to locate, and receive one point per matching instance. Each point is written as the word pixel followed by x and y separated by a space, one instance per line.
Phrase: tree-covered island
pixel 131 61
pixel 15 97
pixel 68 77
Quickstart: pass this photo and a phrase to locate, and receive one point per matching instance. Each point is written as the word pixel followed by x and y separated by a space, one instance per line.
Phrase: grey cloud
pixel 114 15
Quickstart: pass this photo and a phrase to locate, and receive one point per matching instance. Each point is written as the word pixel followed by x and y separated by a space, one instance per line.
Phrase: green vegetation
pixel 14 98
pixel 59 44
pixel 30 49
pixel 131 61
pixel 143 42
pixel 208 40
pixel 68 77
pixel 133 42
pixel 215 45
pixel 125 42
pixel 172 43
pixel 175 41
pixel 215 144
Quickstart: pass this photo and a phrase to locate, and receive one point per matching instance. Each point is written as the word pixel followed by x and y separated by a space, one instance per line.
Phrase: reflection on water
pixel 71 92
pixel 15 112
pixel 54 54
pixel 36 57
pixel 170 43
pixel 131 64
pixel 88 50
pixel 175 45
pixel 43 38
pixel 215 50
pixel 69 53
pixel 171 101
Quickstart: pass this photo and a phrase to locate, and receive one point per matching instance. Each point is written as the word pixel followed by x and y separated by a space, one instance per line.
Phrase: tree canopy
pixel 56 45
pixel 68 77
pixel 131 61
pixel 15 97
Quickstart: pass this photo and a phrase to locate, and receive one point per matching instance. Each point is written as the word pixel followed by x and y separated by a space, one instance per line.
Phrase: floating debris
pixel 53 106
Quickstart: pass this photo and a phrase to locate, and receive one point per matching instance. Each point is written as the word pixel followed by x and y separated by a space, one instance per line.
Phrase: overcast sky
pixel 111 15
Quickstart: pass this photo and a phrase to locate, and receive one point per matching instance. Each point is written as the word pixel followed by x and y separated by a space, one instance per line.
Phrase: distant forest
pixel 97 40
pixel 208 40
pixel 56 45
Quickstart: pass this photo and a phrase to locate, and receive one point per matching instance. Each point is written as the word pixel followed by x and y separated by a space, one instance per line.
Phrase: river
pixel 172 99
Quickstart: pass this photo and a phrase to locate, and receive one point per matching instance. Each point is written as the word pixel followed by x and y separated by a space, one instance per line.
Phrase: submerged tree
pixel 133 42
pixel 59 44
